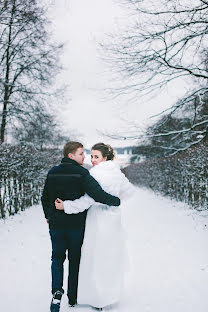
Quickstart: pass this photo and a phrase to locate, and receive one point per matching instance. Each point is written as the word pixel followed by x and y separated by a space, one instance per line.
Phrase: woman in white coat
pixel 102 258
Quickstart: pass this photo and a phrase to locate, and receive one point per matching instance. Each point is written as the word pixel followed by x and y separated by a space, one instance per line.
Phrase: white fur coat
pixel 112 181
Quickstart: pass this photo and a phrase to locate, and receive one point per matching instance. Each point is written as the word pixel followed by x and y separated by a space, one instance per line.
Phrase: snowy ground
pixel 168 259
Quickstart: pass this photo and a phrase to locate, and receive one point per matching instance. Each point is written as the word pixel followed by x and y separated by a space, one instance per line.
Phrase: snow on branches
pixel 22 175
pixel 183 177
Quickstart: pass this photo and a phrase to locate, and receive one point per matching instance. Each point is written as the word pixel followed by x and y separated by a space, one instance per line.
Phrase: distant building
pixel 123 155
pixel 124 150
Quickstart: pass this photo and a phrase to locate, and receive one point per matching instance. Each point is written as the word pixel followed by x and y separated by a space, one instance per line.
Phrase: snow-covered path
pixel 168 259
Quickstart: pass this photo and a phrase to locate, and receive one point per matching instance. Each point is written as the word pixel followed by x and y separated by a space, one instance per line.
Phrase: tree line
pixel 182 177
pixel 29 65
pixel 166 42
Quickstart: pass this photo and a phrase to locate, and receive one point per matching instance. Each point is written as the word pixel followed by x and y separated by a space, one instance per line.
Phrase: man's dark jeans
pixel 63 240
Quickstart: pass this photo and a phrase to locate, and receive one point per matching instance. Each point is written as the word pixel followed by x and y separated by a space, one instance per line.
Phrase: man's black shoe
pixel 56 301
pixel 72 302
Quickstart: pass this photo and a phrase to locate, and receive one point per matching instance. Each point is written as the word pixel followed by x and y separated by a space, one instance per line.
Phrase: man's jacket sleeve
pixel 45 199
pixel 94 190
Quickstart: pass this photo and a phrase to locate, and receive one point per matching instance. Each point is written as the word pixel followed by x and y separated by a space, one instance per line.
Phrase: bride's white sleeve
pixel 78 205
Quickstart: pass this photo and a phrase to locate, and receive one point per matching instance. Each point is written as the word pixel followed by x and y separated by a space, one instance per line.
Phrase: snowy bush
pixel 183 176
pixel 22 175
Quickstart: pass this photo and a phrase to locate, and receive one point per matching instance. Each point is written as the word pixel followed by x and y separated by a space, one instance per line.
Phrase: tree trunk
pixel 6 84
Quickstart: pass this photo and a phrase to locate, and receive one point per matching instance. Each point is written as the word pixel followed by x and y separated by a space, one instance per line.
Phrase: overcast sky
pixel 81 24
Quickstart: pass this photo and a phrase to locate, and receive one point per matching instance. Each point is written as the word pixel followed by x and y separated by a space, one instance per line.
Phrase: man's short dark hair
pixel 71 147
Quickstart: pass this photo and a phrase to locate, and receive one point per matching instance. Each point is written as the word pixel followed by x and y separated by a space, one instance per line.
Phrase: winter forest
pixel 164 44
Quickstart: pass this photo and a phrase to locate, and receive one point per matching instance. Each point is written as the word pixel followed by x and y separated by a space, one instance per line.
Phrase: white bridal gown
pixel 103 253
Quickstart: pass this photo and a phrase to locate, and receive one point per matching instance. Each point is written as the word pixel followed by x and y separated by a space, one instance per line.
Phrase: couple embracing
pixel 82 209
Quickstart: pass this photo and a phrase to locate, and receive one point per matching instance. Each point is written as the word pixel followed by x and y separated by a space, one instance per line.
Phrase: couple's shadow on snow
pixel 86 307
pixel 112 307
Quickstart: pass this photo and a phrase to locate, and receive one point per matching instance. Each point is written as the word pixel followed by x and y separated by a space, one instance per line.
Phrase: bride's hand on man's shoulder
pixel 59 204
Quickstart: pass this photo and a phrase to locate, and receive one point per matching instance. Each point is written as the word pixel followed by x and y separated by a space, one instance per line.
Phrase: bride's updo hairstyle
pixel 105 149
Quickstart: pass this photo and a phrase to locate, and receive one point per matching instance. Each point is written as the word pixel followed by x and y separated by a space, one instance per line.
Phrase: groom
pixel 69 180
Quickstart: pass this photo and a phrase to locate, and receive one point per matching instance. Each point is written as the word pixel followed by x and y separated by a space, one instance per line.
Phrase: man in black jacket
pixel 69 180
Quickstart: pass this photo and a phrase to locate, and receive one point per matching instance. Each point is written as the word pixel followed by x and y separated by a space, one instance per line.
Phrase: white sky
pixel 81 24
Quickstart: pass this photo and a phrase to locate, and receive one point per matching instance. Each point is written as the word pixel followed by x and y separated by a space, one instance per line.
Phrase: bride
pixel 102 258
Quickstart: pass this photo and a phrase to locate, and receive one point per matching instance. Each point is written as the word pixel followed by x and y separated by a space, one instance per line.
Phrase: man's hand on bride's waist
pixel 59 204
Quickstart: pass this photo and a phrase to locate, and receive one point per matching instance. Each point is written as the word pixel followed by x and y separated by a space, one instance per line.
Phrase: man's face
pixel 78 156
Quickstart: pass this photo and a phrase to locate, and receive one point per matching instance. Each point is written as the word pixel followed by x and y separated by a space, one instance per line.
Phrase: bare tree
pixel 40 131
pixel 28 59
pixel 165 41
pixel 184 127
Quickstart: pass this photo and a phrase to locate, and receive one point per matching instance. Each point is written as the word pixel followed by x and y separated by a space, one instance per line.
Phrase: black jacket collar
pixel 67 160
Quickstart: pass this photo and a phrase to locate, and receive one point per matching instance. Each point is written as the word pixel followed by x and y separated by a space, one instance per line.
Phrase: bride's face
pixel 97 157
